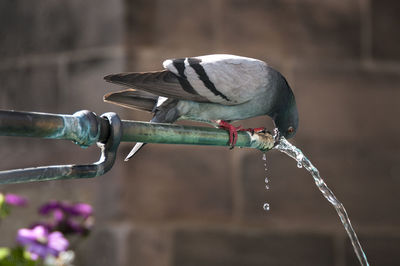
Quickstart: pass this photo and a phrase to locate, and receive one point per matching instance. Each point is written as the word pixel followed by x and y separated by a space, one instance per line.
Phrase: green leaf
pixel 16 257
pixel 4 210
pixel 4 252
pixel 26 255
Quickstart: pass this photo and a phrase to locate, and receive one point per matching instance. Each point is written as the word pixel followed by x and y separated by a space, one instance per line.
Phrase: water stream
pixel 302 161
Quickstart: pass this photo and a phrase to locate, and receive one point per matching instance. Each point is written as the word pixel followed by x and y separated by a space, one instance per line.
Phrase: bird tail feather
pixel 134 150
pixel 134 99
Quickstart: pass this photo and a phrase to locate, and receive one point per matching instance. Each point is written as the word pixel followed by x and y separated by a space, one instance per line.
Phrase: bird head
pixel 286 119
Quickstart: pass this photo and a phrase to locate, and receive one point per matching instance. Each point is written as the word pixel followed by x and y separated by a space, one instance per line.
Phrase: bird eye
pixel 290 130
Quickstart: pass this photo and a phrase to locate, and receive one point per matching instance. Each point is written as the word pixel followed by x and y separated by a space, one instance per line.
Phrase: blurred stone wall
pixel 180 205
pixel 53 57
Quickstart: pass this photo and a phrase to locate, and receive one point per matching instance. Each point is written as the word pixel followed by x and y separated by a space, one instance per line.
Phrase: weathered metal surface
pixel 57 172
pixel 134 131
pixel 30 124
pixel 86 128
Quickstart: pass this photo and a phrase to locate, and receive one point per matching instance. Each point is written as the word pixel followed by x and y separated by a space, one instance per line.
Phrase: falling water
pixel 266 180
pixel 302 161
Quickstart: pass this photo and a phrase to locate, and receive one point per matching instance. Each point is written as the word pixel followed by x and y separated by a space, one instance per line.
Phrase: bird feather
pixel 133 99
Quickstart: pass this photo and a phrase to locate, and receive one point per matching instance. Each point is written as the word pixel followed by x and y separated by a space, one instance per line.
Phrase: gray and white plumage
pixel 208 88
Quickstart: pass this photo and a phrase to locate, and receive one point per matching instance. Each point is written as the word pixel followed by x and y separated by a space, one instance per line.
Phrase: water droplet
pixel 299 159
pixel 266 187
pixel 266 207
pixel 264 157
pixel 266 180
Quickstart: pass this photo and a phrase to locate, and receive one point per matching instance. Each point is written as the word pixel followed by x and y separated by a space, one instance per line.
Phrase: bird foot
pixel 232 132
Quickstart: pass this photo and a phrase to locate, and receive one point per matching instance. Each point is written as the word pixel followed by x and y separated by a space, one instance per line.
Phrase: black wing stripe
pixel 195 64
pixel 179 64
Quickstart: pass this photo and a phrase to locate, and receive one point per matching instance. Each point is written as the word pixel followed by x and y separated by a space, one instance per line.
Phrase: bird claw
pixel 233 135
pixel 233 131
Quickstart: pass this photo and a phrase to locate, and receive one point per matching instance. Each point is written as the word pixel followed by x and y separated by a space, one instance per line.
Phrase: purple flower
pixel 63 214
pixel 47 226
pixel 40 243
pixel 51 206
pixel 15 200
pixel 81 209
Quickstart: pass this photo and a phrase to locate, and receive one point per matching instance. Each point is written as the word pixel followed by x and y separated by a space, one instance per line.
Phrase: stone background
pixel 179 205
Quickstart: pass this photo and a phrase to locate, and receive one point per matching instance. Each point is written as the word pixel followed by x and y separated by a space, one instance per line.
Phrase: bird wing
pixel 162 83
pixel 223 79
pixel 132 98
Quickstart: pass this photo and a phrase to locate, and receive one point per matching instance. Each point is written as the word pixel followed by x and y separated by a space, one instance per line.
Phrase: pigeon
pixel 215 89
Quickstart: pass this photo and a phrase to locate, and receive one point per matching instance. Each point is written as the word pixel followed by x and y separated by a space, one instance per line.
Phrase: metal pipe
pixel 133 131
pixel 85 129
pixel 58 172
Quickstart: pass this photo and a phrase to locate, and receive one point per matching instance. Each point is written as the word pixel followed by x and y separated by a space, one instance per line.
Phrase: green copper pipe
pixel 58 172
pixel 133 131
pixel 85 129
